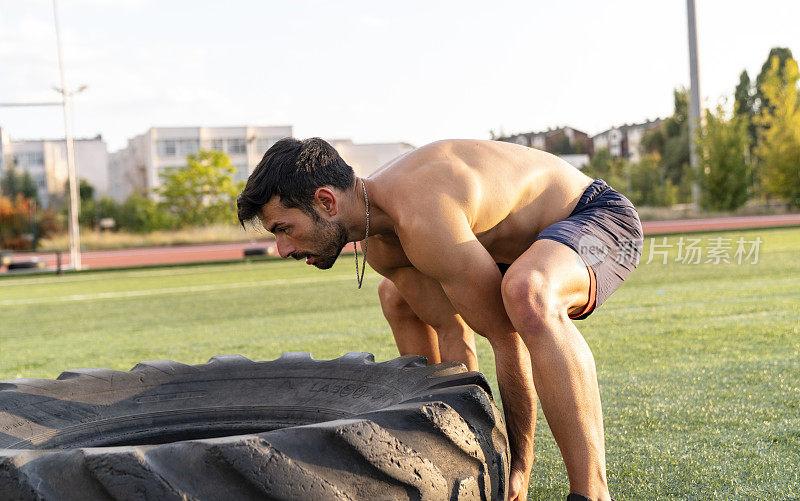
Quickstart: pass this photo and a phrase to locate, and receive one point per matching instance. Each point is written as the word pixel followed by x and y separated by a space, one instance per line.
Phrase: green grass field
pixel 699 365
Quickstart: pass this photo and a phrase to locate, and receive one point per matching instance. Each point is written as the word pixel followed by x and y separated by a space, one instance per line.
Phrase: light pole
pixel 74 243
pixel 74 204
pixel 694 99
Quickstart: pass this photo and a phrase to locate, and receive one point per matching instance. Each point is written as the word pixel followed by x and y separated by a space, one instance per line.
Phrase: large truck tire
pixel 291 428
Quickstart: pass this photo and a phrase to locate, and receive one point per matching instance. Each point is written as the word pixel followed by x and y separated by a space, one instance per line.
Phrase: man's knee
pixel 393 304
pixel 531 298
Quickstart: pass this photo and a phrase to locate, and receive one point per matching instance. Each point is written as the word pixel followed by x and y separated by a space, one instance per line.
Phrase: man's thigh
pixel 552 268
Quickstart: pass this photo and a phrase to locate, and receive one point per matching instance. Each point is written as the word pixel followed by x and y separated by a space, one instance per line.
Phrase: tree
pixel 13 184
pixel 141 214
pixel 92 211
pixel 613 170
pixel 744 96
pixel 9 183
pixel 779 145
pixel 675 157
pixel 750 102
pixel 85 190
pixel 202 192
pixel 649 185
pixel 723 151
pixel 783 55
pixel 744 106
pixel 670 142
pixel 28 187
pixel 600 165
pixel 22 225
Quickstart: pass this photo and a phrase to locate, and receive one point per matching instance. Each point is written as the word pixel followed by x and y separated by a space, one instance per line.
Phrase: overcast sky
pixel 413 71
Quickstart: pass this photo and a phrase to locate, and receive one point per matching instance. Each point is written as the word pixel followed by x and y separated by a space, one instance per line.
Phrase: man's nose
pixel 283 248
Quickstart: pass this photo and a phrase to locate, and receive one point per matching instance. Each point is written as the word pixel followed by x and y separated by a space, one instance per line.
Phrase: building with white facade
pixel 46 161
pixel 624 141
pixel 138 166
pixel 366 158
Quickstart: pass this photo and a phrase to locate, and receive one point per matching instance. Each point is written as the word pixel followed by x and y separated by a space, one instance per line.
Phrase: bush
pixel 611 170
pixel 92 211
pixel 22 225
pixel 141 214
pixel 650 185
pixel 723 147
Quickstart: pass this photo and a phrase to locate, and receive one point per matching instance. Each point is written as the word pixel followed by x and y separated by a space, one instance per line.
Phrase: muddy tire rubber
pixel 291 428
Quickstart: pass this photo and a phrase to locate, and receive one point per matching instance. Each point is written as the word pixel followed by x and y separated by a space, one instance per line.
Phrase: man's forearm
pixel 457 343
pixel 513 365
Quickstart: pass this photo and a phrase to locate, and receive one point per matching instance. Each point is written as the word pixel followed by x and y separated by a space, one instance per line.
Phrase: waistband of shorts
pixel 594 190
pixel 599 193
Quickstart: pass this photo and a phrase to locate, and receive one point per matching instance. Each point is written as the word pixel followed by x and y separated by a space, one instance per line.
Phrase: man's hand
pixel 518 485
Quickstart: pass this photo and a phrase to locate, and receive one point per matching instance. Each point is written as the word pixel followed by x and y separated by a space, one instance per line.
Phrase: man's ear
pixel 327 201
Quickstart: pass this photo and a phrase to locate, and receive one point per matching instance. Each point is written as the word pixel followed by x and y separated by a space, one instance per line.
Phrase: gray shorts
pixel 604 229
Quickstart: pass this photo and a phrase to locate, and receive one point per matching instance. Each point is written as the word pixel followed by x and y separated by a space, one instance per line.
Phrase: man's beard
pixel 333 237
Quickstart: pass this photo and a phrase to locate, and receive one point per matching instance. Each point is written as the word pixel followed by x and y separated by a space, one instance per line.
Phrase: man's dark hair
pixel 293 170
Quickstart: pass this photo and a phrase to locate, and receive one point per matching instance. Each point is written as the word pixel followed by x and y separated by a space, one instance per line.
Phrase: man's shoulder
pixel 415 164
pixel 414 185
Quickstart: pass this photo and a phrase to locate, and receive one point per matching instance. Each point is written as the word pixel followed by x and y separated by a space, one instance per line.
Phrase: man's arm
pixel 428 301
pixel 440 244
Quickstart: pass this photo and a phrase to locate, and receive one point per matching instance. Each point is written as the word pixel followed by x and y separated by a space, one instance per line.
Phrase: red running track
pixel 150 256
pixel 719 223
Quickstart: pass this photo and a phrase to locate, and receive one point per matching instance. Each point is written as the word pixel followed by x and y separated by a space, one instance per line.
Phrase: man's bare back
pixel 507 192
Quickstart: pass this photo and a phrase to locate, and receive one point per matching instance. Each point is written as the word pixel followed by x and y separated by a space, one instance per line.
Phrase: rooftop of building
pixel 245 126
pixel 626 126
pixel 549 131
pixel 98 137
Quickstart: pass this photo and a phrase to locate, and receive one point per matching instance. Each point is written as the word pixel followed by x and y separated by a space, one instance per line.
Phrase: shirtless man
pixel 506 240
